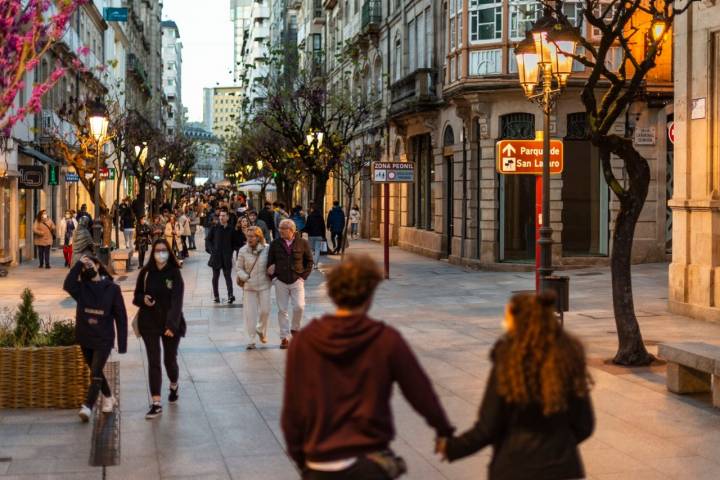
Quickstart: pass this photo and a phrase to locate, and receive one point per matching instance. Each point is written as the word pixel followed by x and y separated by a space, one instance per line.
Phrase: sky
pixel 207 37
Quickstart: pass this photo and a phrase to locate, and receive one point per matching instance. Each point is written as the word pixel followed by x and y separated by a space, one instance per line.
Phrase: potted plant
pixel 40 365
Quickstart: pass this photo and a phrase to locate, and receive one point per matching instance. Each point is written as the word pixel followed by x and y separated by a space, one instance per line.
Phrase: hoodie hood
pixel 342 337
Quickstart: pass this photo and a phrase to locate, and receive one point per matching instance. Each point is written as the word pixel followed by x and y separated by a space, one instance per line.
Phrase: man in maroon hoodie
pixel 336 414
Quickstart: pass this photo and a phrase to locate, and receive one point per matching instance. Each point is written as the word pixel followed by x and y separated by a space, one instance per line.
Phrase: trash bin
pixel 561 286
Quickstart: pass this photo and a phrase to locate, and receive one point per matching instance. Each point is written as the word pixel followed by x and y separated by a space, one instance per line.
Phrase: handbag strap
pixel 253 265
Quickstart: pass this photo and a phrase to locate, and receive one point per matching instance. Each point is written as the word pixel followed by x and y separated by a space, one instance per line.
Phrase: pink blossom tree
pixel 28 29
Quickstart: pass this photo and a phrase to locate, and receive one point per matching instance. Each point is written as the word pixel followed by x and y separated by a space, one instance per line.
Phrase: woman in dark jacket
pixel 536 408
pixel 316 232
pixel 159 294
pixel 100 310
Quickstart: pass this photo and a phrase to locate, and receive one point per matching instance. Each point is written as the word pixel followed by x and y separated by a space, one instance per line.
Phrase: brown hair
pixel 538 362
pixel 353 282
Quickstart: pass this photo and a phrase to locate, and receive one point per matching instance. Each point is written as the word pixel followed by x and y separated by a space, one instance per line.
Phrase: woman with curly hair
pixel 536 408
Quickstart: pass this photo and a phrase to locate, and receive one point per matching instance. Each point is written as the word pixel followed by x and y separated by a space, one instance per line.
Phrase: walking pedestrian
pixel 158 228
pixel 254 221
pixel 82 241
pixel 194 222
pixel 44 233
pixel 66 230
pixel 336 224
pixel 159 295
pixel 127 222
pixel 240 234
pixel 267 215
pixel 143 239
pixel 99 312
pixel 355 222
pixel 317 233
pixel 220 246
pixel 299 217
pixel 336 415
pixel 84 213
pixel 253 279
pixel 536 409
pixel 172 234
pixel 290 263
pixel 184 227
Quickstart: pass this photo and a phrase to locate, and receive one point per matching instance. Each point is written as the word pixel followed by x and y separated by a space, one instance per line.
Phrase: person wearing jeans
pixel 315 229
pixel 100 310
pixel 252 272
pixel 159 293
pixel 44 232
pixel 290 263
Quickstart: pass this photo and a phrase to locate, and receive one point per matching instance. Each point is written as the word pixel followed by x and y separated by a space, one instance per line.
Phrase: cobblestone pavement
pixel 226 424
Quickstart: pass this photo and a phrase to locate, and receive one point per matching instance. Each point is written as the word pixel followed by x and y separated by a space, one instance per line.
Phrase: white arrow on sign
pixel 509 149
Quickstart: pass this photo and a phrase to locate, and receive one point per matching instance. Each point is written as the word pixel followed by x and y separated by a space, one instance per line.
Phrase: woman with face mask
pixel 44 232
pixel 100 311
pixel 159 295
pixel 66 230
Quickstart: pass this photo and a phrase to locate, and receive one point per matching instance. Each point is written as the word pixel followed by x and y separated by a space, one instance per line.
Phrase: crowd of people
pixel 336 413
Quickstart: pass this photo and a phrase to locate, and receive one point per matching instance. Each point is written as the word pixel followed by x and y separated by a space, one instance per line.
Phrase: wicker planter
pixel 43 377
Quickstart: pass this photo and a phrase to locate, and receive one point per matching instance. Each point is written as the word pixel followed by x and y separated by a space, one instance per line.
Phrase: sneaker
pixel 216 300
pixel 261 335
pixel 231 300
pixel 284 344
pixel 108 404
pixel 173 396
pixel 155 411
pixel 85 413
pixel 250 346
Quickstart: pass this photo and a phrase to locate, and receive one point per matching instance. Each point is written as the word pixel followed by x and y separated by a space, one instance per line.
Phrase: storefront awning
pixel 37 155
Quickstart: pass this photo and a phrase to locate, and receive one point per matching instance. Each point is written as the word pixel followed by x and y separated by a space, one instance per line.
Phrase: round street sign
pixel 671 132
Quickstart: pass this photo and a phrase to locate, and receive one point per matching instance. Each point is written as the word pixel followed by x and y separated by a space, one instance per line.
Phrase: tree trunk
pixel 321 180
pixel 631 349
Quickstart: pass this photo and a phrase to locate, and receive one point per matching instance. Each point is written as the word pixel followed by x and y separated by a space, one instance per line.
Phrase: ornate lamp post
pixel 544 62
pixel 98 121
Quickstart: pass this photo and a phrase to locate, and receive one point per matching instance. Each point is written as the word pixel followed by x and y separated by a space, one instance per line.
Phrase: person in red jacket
pixel 336 414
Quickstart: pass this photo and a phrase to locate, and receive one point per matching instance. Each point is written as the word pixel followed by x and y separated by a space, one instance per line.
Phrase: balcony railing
pixel 414 92
pixel 371 14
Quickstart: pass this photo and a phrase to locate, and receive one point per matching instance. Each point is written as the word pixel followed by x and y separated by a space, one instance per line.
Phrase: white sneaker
pixel 85 413
pixel 108 404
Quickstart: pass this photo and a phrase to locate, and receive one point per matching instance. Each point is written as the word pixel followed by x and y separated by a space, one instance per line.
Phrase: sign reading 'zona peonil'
pixel 393 172
pixel 525 157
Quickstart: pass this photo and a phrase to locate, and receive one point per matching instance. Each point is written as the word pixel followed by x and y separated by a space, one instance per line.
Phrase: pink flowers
pixel 83 51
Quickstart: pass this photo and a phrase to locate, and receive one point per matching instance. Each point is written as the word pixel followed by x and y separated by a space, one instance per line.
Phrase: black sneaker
pixel 216 300
pixel 155 411
pixel 173 396
pixel 231 300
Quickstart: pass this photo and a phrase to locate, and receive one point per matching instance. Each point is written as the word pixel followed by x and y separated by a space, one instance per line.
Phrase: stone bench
pixel 120 260
pixel 692 367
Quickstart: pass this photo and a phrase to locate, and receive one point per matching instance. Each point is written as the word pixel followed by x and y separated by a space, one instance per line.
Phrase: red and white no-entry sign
pixel 671 132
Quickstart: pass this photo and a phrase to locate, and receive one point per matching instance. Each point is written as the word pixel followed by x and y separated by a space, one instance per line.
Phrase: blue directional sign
pixel 115 14
pixel 72 177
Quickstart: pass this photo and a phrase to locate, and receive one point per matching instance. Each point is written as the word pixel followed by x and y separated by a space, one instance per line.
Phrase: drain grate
pixel 105 443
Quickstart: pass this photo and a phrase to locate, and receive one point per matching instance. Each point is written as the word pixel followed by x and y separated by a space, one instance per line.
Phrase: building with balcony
pixel 240 15
pixel 172 77
pixel 210 160
pixel 694 286
pixel 226 107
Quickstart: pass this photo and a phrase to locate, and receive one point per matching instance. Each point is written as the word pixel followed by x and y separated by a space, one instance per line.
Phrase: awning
pixel 37 155
pixel 178 186
pixel 255 186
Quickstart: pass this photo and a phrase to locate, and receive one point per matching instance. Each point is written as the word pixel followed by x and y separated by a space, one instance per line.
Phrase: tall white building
pixel 251 46
pixel 172 76
pixel 240 15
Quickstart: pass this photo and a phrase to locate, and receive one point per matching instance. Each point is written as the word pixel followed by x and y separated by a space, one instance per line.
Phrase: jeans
pixel 227 273
pixel 95 360
pixel 169 350
pixel 128 234
pixel 44 255
pixel 191 241
pixel 283 294
pixel 354 229
pixel 315 243
pixel 336 240
pixel 256 310
pixel 362 469
pixel 141 256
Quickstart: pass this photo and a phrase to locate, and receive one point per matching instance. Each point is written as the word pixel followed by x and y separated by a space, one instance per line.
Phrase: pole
pixel 545 240
pixel 97 225
pixel 538 225
pixel 386 229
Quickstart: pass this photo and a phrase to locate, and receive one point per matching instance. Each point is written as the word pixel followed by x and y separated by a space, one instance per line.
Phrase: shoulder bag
pixel 241 283
pixel 135 326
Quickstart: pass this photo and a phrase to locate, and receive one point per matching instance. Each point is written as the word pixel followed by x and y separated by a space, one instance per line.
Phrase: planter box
pixel 43 377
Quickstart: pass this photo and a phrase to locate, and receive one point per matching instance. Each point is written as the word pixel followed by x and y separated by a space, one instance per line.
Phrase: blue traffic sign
pixel 115 14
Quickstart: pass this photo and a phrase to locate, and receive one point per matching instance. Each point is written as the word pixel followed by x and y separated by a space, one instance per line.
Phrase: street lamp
pixel 315 138
pixel 98 121
pixel 260 164
pixel 544 62
pixel 658 28
pixel 141 153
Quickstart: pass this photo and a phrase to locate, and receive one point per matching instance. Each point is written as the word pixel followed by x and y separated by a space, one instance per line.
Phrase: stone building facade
pixel 694 285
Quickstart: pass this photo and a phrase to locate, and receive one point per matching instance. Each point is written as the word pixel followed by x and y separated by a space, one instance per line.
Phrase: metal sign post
pixel 387 173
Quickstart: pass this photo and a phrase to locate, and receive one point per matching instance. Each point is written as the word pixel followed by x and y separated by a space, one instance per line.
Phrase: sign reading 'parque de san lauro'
pixel 525 157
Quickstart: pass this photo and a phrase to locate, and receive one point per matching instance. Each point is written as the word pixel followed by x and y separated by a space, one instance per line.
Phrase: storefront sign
pixel 393 172
pixel 115 14
pixel 645 136
pixel 31 177
pixel 671 132
pixel 107 174
pixel 525 157
pixel 72 178
pixel 53 175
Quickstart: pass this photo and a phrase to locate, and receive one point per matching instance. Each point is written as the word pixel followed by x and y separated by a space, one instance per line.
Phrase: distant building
pixel 209 152
pixel 223 105
pixel 172 76
pixel 207 108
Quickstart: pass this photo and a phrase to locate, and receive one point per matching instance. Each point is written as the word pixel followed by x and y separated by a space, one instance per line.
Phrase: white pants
pixel 283 293
pixel 256 309
pixel 128 234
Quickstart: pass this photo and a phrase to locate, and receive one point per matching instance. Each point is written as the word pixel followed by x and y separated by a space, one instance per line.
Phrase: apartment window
pixel 523 13
pixel 377 73
pixel 398 59
pixel 485 20
pixel 451 28
pixel 460 22
pixel 420 23
pixel 573 10
pixel 412 46
pixel 607 10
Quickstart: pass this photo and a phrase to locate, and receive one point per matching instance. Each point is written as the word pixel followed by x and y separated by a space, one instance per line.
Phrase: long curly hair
pixel 538 362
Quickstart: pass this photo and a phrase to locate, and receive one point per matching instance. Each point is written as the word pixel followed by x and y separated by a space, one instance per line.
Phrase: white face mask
pixel 162 257
pixel 44 217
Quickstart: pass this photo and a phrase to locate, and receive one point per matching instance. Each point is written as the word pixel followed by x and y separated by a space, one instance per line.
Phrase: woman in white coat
pixel 253 278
